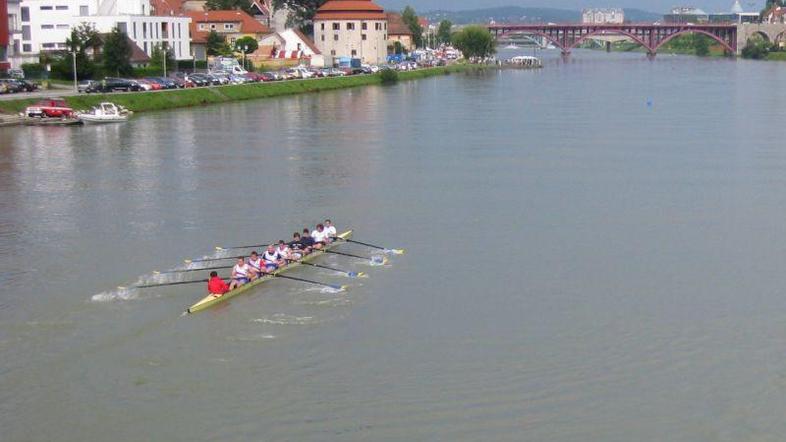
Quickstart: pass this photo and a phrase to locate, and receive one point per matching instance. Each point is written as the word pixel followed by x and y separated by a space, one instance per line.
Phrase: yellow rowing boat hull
pixel 211 300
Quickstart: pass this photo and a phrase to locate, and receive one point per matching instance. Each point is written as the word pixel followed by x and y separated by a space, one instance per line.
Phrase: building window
pixel 336 26
pixel 48 45
pixel 144 47
pixel 61 7
pixel 228 26
pixel 212 26
pixel 26 32
pixel 83 11
pixel 133 26
pixel 333 52
pixel 144 31
pixel 46 8
pixel 350 26
pixel 47 26
pixel 323 37
pixel 25 13
pixel 232 41
pixel 27 47
pixel 322 26
pixel 122 27
pixel 386 26
pixel 202 26
pixel 363 37
pixel 377 27
pixel 354 52
pixel 364 26
pixel 335 37
pixel 63 26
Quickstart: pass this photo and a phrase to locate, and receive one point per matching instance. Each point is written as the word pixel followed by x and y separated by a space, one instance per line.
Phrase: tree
pixel 117 53
pixel 225 5
pixel 756 48
pixel 398 48
pixel 246 45
pixel 475 42
pixel 411 20
pixel 301 12
pixel 701 45
pixel 82 38
pixel 216 44
pixel 157 58
pixel 444 31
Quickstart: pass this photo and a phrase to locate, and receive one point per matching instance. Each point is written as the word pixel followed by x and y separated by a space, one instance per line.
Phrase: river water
pixel 595 252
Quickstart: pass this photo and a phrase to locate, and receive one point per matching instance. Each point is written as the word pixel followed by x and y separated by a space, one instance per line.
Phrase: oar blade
pixel 396 251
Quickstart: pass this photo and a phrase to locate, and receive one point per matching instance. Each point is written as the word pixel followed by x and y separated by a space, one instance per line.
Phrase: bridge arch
pixel 693 31
pixel 527 36
pixel 602 32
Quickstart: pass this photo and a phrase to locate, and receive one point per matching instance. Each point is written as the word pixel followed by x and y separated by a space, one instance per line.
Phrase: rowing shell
pixel 211 300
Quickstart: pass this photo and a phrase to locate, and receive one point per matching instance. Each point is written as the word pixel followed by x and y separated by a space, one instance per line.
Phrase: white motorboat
pixel 511 46
pixel 105 113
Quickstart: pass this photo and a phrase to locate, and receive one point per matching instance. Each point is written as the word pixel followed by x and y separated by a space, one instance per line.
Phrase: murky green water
pixel 595 253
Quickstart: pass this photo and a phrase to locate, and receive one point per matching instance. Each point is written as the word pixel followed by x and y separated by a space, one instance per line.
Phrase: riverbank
pixel 162 100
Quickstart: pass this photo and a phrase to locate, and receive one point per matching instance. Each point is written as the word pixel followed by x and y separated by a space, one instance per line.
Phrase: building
pixel 736 15
pixel 398 31
pixel 232 25
pixel 5 36
pixel 776 14
pixel 352 28
pixel 599 16
pixel 686 14
pixel 46 24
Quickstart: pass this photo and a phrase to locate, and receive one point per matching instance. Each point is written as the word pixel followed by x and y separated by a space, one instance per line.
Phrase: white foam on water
pixel 284 319
pixel 119 294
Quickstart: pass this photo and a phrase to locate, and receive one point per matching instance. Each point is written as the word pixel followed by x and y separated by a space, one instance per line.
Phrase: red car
pixel 50 108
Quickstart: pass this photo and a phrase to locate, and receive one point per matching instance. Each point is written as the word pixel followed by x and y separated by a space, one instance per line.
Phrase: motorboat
pixel 105 113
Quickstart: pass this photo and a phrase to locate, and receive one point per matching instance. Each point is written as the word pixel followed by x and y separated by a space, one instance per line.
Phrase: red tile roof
pixel 396 25
pixel 350 10
pixel 309 42
pixel 167 7
pixel 248 25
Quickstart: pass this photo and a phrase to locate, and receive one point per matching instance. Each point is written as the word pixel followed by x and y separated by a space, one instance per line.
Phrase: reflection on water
pixel 594 252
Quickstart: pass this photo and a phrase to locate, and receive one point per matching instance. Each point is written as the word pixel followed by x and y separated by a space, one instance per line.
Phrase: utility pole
pixel 73 57
pixel 164 54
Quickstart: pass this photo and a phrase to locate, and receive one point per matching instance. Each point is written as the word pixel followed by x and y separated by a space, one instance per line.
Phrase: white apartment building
pixel 357 29
pixel 14 32
pixel 46 24
pixel 599 16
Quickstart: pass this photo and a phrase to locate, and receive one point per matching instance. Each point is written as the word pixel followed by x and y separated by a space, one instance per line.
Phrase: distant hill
pixel 518 14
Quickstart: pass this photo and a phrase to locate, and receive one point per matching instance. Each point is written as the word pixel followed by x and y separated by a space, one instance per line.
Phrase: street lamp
pixel 164 54
pixel 73 58
pixel 245 50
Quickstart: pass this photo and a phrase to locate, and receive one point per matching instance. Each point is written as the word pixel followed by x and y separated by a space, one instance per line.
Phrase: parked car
pixel 86 86
pixel 335 72
pixel 28 85
pixel 165 83
pixel 268 76
pixel 12 86
pixel 199 79
pixel 110 84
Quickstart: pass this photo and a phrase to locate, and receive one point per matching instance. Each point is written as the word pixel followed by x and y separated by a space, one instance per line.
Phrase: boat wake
pixel 284 319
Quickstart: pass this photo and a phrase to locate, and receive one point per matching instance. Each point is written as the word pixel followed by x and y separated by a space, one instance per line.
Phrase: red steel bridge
pixel 650 36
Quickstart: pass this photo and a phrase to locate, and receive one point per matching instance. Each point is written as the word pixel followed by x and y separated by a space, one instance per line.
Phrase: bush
pixel 33 70
pixel 756 50
pixel 388 76
pixel 187 65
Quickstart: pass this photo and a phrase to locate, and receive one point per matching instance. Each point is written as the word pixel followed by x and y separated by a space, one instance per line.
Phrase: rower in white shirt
pixel 330 229
pixel 320 236
pixel 257 266
pixel 284 250
pixel 273 259
pixel 240 274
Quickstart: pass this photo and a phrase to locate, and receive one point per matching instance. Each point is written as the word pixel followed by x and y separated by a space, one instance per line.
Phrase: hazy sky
pixel 649 5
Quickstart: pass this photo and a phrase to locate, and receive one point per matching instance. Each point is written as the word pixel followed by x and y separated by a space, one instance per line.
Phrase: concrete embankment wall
pixel 171 99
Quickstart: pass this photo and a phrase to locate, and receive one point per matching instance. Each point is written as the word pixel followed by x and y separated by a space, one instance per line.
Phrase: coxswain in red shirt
pixel 216 285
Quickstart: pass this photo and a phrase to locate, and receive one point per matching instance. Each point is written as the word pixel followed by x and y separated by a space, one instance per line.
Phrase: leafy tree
pixel 225 5
pixel 117 53
pixel 411 20
pixel 217 44
pixel 444 31
pixel 475 42
pixel 157 58
pixel 82 38
pixel 301 12
pixel 756 48
pixel 398 48
pixel 701 45
pixel 246 45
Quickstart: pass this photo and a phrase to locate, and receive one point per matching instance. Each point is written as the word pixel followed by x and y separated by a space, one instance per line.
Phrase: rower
pixel 320 237
pixel 257 265
pixel 240 274
pixel 330 229
pixel 298 249
pixel 307 241
pixel 216 286
pixel 273 259
pixel 284 250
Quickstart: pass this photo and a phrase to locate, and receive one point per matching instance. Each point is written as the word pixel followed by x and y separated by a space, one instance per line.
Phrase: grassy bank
pixel 150 101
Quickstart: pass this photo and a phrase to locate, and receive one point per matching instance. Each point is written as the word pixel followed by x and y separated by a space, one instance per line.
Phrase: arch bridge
pixel 650 36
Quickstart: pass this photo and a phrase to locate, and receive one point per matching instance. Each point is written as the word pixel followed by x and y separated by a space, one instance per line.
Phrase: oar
pixel 350 274
pixel 308 281
pixel 156 272
pixel 189 261
pixel 147 286
pixel 396 251
pixel 241 247
pixel 384 260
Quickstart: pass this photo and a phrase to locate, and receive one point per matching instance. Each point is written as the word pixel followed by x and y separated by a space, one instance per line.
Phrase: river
pixel 595 252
